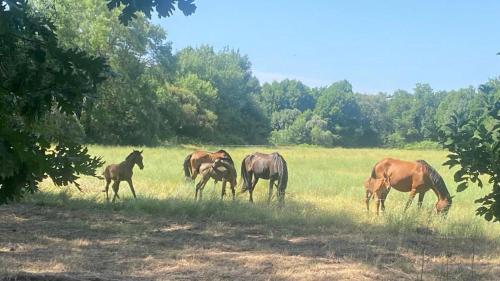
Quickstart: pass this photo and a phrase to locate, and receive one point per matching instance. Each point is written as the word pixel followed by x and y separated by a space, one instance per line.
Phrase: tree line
pixel 202 95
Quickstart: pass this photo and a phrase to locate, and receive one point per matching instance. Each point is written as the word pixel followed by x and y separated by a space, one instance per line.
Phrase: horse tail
pixel 374 174
pixel 187 169
pixel 436 180
pixel 244 177
pixel 282 170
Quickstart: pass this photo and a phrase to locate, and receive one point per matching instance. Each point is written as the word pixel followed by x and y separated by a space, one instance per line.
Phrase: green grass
pixel 325 192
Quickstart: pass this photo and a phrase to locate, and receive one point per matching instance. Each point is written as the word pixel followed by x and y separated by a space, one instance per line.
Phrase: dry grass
pixel 322 234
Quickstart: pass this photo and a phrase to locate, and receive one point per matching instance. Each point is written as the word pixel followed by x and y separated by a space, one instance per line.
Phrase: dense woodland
pixel 202 95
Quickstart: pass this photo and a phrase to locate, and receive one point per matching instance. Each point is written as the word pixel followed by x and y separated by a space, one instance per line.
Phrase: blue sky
pixel 376 45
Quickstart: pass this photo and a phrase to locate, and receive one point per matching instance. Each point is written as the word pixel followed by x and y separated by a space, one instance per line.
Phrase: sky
pixel 378 46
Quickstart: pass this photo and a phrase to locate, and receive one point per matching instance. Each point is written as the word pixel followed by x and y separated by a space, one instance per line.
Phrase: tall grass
pixel 324 192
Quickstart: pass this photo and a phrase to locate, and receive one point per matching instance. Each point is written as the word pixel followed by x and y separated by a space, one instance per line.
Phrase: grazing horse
pixel 122 172
pixel 405 176
pixel 193 161
pixel 270 167
pixel 220 170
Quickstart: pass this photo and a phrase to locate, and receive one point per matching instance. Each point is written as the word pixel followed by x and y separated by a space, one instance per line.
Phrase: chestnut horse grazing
pixel 221 170
pixel 122 172
pixel 271 167
pixel 405 176
pixel 193 161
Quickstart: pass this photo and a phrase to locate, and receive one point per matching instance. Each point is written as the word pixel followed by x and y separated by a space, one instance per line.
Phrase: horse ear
pixel 141 151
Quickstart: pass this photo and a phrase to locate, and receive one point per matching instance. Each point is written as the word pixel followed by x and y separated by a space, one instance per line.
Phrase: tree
pixel 239 118
pixel 337 105
pixel 287 94
pixel 164 8
pixel 37 75
pixel 376 123
pixel 49 78
pixel 127 108
pixel 475 147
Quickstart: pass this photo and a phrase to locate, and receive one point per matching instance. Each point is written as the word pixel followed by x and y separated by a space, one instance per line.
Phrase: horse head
pixel 375 184
pixel 138 158
pixel 443 205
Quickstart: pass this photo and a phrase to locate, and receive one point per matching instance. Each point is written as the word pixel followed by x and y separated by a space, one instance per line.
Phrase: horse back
pixel 400 174
pixel 116 172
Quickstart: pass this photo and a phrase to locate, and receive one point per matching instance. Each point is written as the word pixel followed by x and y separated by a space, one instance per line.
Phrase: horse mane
pixel 131 155
pixel 437 180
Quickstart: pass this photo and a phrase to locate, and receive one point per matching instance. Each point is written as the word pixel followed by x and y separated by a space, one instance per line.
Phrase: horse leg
pixel 410 199
pixel 281 197
pixel 199 187
pixel 384 196
pixel 367 200
pixel 106 188
pixel 131 187
pixel 116 187
pixel 223 190
pixel 420 199
pixel 271 183
pixel 378 198
pixel 254 183
pixel 233 190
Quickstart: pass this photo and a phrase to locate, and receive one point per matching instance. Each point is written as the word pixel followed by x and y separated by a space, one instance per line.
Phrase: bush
pixel 323 137
pixel 424 145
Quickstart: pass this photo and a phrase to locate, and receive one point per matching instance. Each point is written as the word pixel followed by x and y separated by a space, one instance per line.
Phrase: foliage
pixel 36 76
pixel 337 105
pixel 475 148
pixel 239 118
pixel 164 8
pixel 287 94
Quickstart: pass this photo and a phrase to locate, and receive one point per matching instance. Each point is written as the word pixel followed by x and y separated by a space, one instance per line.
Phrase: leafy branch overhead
pixel 475 148
pixel 37 77
pixel 164 8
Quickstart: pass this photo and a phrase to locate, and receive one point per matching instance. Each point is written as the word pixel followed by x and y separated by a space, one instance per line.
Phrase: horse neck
pixel 441 194
pixel 128 164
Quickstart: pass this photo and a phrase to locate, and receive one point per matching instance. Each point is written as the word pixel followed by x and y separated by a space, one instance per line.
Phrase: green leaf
pixel 462 186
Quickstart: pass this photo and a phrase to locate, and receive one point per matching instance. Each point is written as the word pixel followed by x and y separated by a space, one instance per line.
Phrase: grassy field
pixel 323 233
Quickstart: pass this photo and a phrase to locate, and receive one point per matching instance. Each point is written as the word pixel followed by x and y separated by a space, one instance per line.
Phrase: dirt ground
pixel 50 243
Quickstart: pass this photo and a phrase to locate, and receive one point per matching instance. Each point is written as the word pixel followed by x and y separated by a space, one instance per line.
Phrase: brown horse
pixel 220 170
pixel 413 177
pixel 271 167
pixel 193 161
pixel 122 172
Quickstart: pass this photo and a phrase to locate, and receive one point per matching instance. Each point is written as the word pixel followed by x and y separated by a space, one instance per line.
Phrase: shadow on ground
pixel 61 237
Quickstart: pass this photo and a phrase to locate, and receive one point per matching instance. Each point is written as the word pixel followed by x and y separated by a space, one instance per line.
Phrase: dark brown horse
pixel 405 176
pixel 270 167
pixel 193 161
pixel 220 170
pixel 122 172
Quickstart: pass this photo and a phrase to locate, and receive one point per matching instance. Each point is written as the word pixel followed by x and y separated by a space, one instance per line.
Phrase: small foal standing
pixel 221 169
pixel 122 172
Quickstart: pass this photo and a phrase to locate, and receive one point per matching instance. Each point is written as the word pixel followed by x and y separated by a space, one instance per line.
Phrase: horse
pixel 122 172
pixel 271 167
pixel 193 161
pixel 220 170
pixel 406 176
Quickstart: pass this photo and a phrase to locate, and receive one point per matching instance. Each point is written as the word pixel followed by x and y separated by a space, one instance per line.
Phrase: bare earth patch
pixel 50 243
